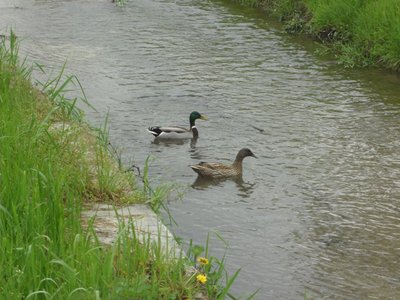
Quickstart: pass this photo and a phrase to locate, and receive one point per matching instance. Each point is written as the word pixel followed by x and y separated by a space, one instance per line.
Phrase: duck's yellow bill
pixel 203 117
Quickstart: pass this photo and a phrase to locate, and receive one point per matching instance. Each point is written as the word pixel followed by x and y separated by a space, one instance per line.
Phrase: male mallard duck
pixel 218 170
pixel 178 132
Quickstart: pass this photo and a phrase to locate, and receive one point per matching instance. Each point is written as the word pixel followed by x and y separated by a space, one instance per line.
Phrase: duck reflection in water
pixel 170 142
pixel 245 188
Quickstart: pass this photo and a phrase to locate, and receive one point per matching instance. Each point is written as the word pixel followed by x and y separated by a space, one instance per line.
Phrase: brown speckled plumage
pixel 219 170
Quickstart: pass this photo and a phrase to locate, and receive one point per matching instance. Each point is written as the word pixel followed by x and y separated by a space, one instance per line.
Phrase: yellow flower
pixel 202 260
pixel 201 278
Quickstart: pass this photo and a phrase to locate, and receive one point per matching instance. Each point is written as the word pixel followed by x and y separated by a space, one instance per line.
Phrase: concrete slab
pixel 108 220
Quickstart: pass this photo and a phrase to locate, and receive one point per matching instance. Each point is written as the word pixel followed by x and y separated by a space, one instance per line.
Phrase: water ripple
pixel 318 211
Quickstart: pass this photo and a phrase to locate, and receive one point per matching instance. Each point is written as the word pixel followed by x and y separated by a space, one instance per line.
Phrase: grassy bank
pixel 359 32
pixel 51 165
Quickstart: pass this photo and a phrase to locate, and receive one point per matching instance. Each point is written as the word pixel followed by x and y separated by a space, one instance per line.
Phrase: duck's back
pixel 215 170
pixel 170 132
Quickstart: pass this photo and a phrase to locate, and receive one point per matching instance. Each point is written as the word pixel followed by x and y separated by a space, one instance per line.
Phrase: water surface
pixel 317 213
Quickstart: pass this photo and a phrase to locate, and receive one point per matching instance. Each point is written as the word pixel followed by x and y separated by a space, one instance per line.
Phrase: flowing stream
pixel 317 213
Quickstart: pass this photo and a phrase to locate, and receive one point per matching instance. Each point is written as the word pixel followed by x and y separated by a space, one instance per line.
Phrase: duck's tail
pixel 155 130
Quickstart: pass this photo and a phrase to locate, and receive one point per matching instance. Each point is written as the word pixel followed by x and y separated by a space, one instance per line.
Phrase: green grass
pixel 51 164
pixel 359 32
pixel 368 32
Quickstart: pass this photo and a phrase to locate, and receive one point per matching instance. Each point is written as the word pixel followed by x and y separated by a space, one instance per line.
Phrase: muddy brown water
pixel 317 213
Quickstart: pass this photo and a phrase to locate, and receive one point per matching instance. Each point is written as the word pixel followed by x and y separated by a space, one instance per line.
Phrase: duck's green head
pixel 196 115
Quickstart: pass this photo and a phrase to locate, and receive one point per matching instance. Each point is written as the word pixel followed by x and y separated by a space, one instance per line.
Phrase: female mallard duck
pixel 218 170
pixel 178 132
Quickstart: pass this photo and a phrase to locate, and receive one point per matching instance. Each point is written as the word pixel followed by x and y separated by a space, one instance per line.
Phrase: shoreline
pixel 358 34
pixel 75 221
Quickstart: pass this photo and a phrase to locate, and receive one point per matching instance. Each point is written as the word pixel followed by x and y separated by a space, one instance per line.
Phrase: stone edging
pixel 107 221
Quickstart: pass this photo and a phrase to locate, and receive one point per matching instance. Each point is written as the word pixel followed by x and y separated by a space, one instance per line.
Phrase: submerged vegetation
pixel 359 32
pixel 51 164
